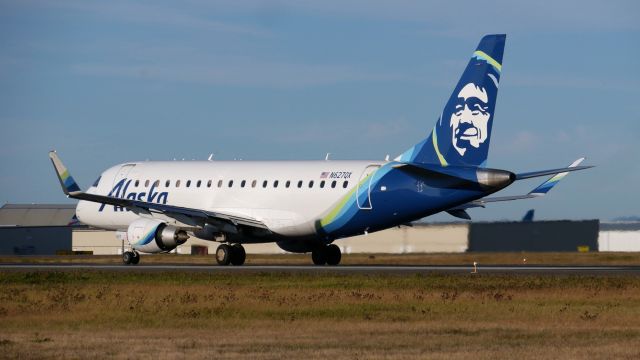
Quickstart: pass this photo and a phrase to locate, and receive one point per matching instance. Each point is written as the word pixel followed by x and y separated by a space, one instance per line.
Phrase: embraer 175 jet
pixel 304 206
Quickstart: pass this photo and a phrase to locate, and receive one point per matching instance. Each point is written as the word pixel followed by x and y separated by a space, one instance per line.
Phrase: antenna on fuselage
pixel 210 157
pixel 386 158
pixel 326 158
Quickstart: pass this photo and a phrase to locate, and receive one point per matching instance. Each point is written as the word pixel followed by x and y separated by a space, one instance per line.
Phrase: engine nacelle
pixel 155 236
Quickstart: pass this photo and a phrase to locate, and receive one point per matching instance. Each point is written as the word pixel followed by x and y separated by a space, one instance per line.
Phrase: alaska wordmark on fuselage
pixel 304 206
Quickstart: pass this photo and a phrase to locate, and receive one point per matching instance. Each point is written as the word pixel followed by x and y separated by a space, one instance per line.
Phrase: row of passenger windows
pixel 244 183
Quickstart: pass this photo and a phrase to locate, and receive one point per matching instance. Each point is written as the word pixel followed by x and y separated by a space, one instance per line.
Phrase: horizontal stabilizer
pixel 539 191
pixel 549 184
pixel 533 174
pixel 459 213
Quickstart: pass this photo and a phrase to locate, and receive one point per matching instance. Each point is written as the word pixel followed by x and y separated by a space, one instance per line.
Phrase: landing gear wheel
pixel 333 254
pixel 136 258
pixel 319 255
pixel 238 255
pixel 127 257
pixel 223 254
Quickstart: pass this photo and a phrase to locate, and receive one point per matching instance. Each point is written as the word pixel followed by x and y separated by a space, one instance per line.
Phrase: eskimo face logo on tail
pixel 120 191
pixel 470 119
pixel 464 129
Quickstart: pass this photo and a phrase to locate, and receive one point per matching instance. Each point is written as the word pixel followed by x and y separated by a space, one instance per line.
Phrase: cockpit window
pixel 95 184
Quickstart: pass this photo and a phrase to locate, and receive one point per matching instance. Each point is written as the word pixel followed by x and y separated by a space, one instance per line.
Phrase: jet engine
pixel 154 236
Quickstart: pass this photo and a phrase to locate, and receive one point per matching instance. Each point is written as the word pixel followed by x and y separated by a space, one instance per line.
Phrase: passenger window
pixel 137 183
pixel 333 184
pixel 264 184
pixel 220 183
pixel 167 183
pixel 156 183
pixel 199 183
pixel 299 184
pixel 275 184
pixel 95 184
pixel 188 183
pixel 310 184
pixel 209 183
pixel 322 184
pixel 253 183
pixel 287 184
pixel 243 183
pixel 230 183
pixel 146 183
pixel 345 184
pixel 177 183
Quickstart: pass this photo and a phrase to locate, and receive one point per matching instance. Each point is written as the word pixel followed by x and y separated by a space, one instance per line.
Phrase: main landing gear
pixel 131 257
pixel 327 254
pixel 230 254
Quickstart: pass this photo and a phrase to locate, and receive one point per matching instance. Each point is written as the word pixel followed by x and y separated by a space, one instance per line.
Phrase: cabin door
pixel 363 192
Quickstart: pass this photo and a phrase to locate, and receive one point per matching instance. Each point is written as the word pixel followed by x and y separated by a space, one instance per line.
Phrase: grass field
pixel 560 258
pixel 317 316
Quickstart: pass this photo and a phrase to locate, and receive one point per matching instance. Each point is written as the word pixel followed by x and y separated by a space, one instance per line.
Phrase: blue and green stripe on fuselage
pixel 407 196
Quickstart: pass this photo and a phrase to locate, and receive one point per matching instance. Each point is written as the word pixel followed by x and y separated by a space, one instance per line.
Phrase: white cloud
pixel 239 73
pixel 153 13
pixel 571 82
pixel 521 142
pixel 459 17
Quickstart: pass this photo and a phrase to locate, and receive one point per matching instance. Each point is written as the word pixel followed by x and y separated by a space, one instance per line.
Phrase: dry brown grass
pixel 319 316
pixel 592 258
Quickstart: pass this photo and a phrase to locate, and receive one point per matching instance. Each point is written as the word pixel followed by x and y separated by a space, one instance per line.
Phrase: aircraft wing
pixel 72 190
pixel 539 191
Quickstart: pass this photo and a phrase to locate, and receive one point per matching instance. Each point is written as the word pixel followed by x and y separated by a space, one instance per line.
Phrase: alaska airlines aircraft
pixel 304 206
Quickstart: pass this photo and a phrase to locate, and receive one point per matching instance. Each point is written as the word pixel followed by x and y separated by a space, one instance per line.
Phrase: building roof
pixel 620 226
pixel 37 214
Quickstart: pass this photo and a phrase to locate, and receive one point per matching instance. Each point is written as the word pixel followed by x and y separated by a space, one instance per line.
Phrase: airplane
pixel 305 206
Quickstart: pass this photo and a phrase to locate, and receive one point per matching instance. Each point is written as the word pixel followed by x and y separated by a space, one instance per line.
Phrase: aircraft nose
pixel 81 211
pixel 495 179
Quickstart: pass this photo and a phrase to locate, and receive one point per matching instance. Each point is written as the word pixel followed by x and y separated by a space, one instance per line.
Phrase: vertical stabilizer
pixel 463 132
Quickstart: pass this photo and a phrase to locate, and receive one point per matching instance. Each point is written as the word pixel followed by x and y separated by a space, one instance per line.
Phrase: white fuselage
pixel 288 196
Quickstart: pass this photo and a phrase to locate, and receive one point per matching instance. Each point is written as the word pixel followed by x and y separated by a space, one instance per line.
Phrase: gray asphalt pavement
pixel 346 269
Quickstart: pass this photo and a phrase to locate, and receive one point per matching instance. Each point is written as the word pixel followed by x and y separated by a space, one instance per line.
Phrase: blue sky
pixel 109 82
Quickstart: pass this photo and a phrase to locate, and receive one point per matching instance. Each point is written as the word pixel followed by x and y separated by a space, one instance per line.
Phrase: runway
pixel 345 269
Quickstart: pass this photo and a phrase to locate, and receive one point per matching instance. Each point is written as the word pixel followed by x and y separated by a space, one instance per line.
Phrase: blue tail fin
pixel 463 131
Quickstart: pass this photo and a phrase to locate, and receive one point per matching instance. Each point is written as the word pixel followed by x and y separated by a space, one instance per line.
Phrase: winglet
pixel 66 180
pixel 549 184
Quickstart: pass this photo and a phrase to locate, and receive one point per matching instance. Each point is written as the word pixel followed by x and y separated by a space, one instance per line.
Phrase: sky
pixel 109 82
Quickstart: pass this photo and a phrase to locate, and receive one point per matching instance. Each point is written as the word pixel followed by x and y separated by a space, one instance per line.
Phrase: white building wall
pixel 416 239
pixel 612 240
pixel 101 242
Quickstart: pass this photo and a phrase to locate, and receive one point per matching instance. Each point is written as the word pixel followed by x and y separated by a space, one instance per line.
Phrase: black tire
pixel 136 258
pixel 238 255
pixel 127 257
pixel 319 255
pixel 223 254
pixel 333 254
